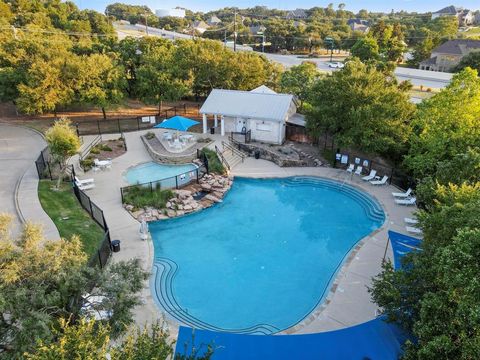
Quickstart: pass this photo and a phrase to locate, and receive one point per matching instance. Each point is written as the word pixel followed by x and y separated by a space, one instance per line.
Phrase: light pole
pixel 235 31
pixel 328 40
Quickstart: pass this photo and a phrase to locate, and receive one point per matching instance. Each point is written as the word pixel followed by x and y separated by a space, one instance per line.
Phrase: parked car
pixel 336 65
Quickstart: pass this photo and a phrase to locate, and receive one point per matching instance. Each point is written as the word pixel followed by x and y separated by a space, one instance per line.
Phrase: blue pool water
pixel 264 258
pixel 152 171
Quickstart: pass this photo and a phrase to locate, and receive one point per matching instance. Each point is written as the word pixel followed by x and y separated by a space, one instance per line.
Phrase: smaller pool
pixel 152 171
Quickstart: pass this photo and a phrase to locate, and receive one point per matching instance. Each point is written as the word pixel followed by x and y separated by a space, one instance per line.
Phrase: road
pixel 19 148
pixel 429 79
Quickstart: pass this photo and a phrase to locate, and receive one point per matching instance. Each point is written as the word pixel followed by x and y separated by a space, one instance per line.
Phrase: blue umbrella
pixel 179 123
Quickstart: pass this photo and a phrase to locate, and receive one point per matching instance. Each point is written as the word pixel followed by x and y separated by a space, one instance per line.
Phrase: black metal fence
pixel 174 182
pixel 396 176
pixel 121 125
pixel 101 256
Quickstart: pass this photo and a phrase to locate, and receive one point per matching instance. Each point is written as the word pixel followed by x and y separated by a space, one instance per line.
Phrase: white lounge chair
pixel 410 221
pixel 383 181
pixel 84 181
pixel 409 201
pixel 103 164
pixel 371 176
pixel 358 170
pixel 85 186
pixel 406 194
pixel 350 168
pixel 413 230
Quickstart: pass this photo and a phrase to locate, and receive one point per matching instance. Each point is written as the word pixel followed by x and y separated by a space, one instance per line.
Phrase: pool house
pixel 261 112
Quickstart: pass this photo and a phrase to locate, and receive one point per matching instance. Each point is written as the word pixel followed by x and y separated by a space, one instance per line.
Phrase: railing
pixel 95 142
pixel 233 150
pixel 120 125
pixel 104 251
pixel 221 157
pixel 122 135
pixel 247 136
pixel 174 182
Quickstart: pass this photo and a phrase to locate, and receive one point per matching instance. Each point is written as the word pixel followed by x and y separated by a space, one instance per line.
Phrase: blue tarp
pixel 177 123
pixel 401 245
pixel 371 340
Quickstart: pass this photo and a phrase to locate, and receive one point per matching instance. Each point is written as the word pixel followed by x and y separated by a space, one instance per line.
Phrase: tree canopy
pixel 362 108
pixel 299 80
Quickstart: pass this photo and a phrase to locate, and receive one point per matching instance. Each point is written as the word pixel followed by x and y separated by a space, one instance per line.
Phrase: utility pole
pixel 146 23
pixel 235 30
pixel 225 37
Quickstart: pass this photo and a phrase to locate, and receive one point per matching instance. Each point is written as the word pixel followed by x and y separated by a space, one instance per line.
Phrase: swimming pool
pixel 264 258
pixel 152 171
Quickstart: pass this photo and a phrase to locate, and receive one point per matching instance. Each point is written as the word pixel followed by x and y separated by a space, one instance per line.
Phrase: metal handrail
pixel 222 158
pixel 95 141
pixel 233 150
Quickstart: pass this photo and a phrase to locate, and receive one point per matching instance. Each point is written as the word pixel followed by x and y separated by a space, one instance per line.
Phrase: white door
pixel 241 125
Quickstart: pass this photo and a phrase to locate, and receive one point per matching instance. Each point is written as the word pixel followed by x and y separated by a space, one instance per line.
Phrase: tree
pixel 101 82
pixel 63 143
pixel 89 339
pixel 471 60
pixel 298 80
pixel 446 124
pixel 366 49
pixel 362 108
pixel 158 78
pixel 435 295
pixel 44 281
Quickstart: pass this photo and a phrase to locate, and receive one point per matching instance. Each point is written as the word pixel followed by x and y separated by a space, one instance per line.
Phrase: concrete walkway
pixel 19 148
pixel 348 305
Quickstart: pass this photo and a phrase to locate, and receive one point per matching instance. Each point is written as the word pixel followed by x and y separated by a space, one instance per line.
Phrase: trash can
pixel 257 154
pixel 115 245
pixel 212 130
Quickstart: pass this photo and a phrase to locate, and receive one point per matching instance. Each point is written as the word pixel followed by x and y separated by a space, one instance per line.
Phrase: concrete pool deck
pixel 348 302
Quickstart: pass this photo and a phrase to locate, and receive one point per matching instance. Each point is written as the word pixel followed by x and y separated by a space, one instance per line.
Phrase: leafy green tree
pixel 6 15
pixel 446 124
pixel 42 281
pixel 298 80
pixel 362 108
pixel 435 295
pixel 366 49
pixel 471 60
pixel 101 82
pixel 158 78
pixel 63 143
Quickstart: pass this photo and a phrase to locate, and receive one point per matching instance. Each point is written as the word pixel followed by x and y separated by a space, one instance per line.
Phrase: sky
pixel 353 5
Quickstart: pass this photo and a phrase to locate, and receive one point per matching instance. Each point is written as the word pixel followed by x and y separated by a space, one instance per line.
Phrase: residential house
pixel 296 14
pixel 446 56
pixel 213 21
pixel 262 112
pixel 257 29
pixel 465 17
pixel 360 25
pixel 200 26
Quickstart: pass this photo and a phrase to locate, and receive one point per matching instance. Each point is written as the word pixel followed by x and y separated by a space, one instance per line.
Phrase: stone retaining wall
pixel 270 155
pixel 170 158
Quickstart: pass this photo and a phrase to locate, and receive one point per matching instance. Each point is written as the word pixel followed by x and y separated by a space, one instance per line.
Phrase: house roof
pixel 214 20
pixel 449 10
pixel 297 13
pixel 431 61
pixel 246 104
pixel 262 89
pixel 257 28
pixel 200 25
pixel 457 47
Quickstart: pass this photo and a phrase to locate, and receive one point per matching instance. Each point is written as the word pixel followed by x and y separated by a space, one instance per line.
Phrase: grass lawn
pixel 68 215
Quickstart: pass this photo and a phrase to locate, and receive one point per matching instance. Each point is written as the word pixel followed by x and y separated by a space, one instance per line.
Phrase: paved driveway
pixel 19 147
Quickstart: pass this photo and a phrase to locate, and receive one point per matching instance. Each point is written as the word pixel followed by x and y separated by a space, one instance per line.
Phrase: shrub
pixel 150 135
pixel 214 163
pixel 87 164
pixel 142 196
pixel 105 147
pixel 95 150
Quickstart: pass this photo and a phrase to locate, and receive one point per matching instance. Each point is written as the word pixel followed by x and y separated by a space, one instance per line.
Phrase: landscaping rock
pixel 213 198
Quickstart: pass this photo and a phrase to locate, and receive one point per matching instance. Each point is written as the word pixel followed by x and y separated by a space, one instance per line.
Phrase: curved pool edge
pixel 124 172
pixel 333 283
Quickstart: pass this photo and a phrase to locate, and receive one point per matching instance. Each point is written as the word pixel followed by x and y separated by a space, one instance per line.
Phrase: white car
pixel 336 65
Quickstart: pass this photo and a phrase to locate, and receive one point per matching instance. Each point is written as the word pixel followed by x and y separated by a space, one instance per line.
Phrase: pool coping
pixel 124 172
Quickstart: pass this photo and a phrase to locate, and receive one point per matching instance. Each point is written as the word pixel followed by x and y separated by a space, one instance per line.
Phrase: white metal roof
pixel 263 89
pixel 247 104
pixel 297 119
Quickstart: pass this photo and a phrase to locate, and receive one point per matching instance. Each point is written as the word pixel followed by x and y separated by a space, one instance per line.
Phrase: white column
pixel 216 120
pixel 222 125
pixel 204 123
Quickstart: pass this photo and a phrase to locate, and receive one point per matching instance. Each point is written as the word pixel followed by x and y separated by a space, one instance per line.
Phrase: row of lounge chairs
pixel 85 184
pixel 372 178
